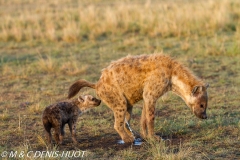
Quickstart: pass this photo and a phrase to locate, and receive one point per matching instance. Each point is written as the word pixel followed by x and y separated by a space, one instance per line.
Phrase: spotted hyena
pixel 57 115
pixel 133 78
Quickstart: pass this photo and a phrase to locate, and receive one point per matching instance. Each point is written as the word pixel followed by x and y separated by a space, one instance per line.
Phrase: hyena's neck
pixel 76 103
pixel 183 81
pixel 81 106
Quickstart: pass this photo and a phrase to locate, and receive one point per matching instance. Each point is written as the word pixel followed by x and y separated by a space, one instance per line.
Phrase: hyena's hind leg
pixel 128 115
pixel 118 104
pixel 119 125
pixel 143 124
pixel 113 97
pixel 47 126
pixel 58 133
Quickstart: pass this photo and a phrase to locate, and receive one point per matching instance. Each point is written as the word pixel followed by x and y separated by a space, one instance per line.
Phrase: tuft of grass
pixel 4 116
pixel 46 64
pixel 35 108
pixel 127 154
pixel 71 66
pixel 160 150
pixel 7 70
pixel 41 141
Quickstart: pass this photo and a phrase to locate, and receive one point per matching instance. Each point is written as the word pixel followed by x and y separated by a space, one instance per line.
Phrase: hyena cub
pixel 57 115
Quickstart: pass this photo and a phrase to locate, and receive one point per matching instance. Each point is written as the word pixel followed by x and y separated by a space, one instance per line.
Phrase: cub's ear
pixel 81 99
pixel 207 85
pixel 196 90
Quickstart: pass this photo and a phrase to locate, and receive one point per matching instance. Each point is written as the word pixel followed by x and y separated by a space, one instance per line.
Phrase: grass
pixel 45 49
pixel 77 21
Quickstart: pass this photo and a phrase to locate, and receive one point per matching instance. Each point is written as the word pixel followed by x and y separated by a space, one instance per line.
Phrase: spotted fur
pixel 146 77
pixel 57 115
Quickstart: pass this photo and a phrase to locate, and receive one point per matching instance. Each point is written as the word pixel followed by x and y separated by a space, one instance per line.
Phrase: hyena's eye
pixel 201 106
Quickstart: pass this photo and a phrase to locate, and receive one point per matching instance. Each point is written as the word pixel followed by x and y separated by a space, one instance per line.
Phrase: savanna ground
pixel 46 45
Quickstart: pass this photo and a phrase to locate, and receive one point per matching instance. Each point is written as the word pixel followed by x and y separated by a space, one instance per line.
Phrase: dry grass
pixel 46 64
pixel 73 22
pixel 4 116
pixel 161 151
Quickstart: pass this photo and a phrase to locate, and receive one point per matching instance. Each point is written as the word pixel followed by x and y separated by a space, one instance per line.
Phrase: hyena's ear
pixel 81 99
pixel 196 90
pixel 199 89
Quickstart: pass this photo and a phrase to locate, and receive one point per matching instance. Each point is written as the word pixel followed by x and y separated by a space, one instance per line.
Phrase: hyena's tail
pixel 78 85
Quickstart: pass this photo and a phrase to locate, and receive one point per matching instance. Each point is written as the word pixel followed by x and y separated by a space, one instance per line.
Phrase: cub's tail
pixel 78 85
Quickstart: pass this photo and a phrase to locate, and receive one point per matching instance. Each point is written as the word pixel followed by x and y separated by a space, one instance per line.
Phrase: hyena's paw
pixel 128 139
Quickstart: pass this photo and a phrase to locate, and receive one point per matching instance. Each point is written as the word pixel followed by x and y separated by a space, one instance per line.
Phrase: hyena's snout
pixel 201 115
pixel 204 116
pixel 97 101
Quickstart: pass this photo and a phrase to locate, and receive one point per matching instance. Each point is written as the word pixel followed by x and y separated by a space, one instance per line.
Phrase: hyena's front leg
pixel 150 115
pixel 72 128
pixel 150 98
